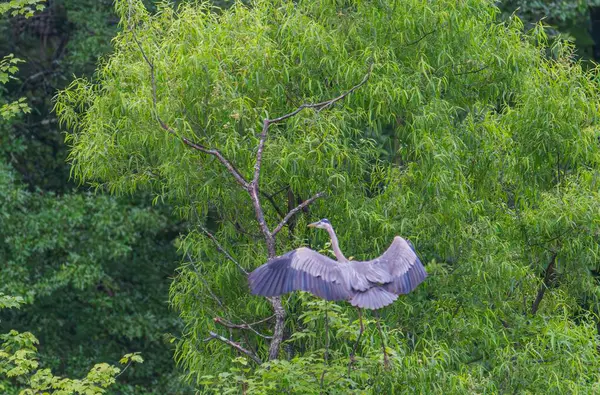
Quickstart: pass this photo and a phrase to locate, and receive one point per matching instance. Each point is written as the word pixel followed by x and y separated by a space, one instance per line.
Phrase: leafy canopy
pixel 467 139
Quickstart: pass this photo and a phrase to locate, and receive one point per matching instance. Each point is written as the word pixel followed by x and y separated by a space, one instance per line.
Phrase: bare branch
pixel 238 227
pixel 285 188
pixel 227 324
pixel 221 249
pixel 253 190
pixel 152 75
pixel 235 345
pixel 386 361
pixel 260 150
pixel 216 153
pixel 294 211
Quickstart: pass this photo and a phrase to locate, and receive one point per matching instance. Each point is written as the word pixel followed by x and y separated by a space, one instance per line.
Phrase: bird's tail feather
pixel 373 298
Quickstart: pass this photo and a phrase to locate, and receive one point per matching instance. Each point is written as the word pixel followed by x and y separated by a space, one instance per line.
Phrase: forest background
pixel 98 262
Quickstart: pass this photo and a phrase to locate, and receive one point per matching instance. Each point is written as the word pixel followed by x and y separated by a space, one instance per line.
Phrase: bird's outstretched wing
pixel 301 269
pixel 402 266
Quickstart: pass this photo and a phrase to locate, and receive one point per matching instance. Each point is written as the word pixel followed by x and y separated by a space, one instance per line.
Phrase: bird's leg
pixel 362 329
pixel 386 361
pixel 326 355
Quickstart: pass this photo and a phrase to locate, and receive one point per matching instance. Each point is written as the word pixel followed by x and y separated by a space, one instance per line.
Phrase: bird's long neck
pixel 336 245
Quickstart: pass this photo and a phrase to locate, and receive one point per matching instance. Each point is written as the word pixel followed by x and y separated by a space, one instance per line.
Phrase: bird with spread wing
pixel 370 284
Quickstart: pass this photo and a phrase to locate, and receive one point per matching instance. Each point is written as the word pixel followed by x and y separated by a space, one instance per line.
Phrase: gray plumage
pixel 370 284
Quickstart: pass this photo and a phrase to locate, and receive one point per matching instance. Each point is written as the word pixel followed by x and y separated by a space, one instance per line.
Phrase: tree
pixel 465 138
pixel 91 271
pixel 66 38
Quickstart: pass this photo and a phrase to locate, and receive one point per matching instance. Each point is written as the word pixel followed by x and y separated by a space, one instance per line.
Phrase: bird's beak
pixel 313 225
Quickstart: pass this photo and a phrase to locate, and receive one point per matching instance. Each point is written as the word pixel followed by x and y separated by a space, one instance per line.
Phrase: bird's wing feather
pixel 408 281
pixel 397 259
pixel 301 269
pixel 398 269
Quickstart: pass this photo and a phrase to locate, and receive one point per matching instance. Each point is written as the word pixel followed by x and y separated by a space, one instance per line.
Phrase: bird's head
pixel 322 224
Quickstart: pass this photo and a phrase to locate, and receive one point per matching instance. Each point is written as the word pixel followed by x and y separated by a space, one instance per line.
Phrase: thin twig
pixel 238 227
pixel 124 369
pixel 216 153
pixel 472 71
pixel 294 211
pixel 360 333
pixel 386 361
pixel 285 188
pixel 419 39
pixel 221 249
pixel 456 310
pixel 201 277
pixel 220 320
pixel 261 321
pixel 235 345
pixel 227 324
pixel 553 238
pixel 326 355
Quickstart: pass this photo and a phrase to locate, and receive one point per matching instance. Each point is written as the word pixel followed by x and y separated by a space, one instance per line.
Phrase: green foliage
pixel 133 357
pixel 55 242
pixel 89 268
pixel 93 271
pixel 568 19
pixel 562 12
pixel 67 38
pixel 8 64
pixel 467 139
pixel 10 110
pixel 21 7
pixel 10 302
pixel 8 67
pixel 19 362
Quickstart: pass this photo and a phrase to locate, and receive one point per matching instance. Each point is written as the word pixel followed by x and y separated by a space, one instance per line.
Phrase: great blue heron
pixel 368 284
